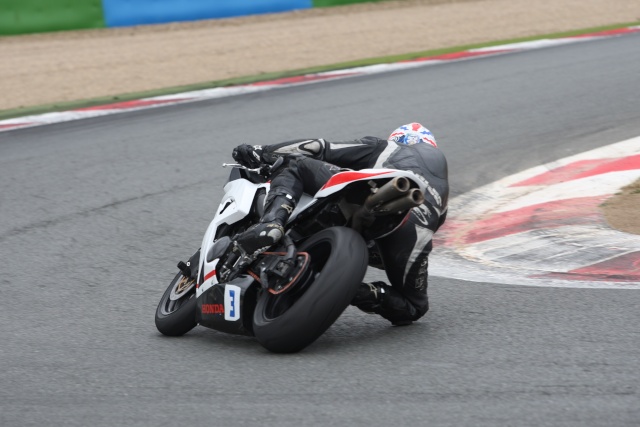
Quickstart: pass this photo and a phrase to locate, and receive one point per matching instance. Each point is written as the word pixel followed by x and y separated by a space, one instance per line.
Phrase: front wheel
pixel 176 313
pixel 289 322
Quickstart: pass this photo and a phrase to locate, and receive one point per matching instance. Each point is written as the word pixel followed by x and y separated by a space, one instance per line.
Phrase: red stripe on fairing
pixel 302 79
pixel 343 177
pixel 582 169
pixel 624 268
pixel 133 104
pixel 209 276
pixel 578 211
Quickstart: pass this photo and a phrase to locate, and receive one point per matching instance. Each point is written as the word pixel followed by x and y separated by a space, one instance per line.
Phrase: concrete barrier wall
pixel 31 16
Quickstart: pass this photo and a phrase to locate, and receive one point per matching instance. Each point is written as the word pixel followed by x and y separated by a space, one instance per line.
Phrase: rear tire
pixel 291 321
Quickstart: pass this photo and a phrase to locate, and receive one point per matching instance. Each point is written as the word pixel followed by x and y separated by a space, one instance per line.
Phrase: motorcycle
pixel 290 295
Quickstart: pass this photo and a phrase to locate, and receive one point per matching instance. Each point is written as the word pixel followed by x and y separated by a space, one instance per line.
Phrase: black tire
pixel 176 317
pixel 291 321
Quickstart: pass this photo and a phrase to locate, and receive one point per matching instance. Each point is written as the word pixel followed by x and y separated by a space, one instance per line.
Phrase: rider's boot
pixel 260 237
pixel 369 296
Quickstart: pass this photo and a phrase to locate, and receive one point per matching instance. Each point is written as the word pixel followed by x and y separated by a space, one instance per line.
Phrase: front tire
pixel 291 321
pixel 176 312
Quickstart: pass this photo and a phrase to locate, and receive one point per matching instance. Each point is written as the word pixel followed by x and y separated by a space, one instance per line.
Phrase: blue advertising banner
pixel 119 13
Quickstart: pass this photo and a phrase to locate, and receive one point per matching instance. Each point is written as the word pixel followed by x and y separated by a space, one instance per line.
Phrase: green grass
pixel 71 105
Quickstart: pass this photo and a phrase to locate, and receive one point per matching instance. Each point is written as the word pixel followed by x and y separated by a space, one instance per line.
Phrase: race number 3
pixel 232 302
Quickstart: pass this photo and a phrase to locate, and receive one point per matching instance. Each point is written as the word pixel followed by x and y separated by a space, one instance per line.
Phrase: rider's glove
pixel 248 155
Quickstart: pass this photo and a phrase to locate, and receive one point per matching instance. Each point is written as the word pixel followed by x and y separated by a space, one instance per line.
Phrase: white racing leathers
pixel 404 255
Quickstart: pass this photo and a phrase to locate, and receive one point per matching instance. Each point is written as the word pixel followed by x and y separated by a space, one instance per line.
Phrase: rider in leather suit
pixel 310 163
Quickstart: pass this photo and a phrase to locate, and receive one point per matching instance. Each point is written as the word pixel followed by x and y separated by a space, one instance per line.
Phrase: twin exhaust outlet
pixel 395 196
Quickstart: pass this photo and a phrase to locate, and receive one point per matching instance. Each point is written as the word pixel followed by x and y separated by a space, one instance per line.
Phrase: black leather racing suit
pixel 404 253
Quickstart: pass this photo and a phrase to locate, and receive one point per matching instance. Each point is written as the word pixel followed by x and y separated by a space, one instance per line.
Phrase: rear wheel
pixel 289 322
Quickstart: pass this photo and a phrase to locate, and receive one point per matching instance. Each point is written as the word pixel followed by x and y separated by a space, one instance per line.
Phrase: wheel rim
pixel 277 305
pixel 182 290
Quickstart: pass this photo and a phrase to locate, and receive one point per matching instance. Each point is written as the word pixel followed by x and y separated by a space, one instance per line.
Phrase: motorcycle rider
pixel 310 163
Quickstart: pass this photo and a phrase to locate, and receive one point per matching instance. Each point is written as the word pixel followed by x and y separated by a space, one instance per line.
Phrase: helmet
pixel 413 133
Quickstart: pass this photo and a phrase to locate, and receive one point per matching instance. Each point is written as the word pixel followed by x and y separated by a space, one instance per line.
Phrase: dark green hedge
pixel 34 16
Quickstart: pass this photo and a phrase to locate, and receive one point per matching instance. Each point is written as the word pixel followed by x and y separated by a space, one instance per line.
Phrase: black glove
pixel 248 155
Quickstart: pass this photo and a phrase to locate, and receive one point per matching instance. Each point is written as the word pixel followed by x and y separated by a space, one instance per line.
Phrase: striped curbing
pixel 544 227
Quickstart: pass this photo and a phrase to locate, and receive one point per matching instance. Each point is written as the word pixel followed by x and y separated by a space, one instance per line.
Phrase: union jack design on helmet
pixel 412 133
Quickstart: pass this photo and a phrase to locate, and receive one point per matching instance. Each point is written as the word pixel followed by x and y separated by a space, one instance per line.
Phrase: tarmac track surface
pixel 96 213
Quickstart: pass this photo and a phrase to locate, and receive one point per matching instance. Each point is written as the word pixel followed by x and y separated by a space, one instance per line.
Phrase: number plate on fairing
pixel 228 307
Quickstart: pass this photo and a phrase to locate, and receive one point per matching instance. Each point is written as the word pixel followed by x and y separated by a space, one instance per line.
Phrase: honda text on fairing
pixel 290 295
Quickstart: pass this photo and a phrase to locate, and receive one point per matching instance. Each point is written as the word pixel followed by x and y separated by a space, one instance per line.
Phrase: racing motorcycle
pixel 290 295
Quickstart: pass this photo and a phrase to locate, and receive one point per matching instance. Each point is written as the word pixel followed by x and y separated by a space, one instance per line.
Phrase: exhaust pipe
pixel 394 197
pixel 393 189
pixel 411 199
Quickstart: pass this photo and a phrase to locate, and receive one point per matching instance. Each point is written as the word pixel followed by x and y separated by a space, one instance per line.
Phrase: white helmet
pixel 412 133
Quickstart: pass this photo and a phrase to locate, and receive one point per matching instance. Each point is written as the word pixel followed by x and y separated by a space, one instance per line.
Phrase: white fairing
pixel 236 204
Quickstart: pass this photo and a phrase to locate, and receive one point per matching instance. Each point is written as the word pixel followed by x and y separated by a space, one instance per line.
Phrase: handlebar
pixel 264 169
pixel 239 166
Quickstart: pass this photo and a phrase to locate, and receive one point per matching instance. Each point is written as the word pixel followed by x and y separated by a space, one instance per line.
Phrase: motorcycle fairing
pixel 227 307
pixel 340 180
pixel 235 206
pixel 237 201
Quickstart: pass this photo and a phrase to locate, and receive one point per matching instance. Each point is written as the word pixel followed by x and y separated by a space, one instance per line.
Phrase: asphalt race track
pixel 96 213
